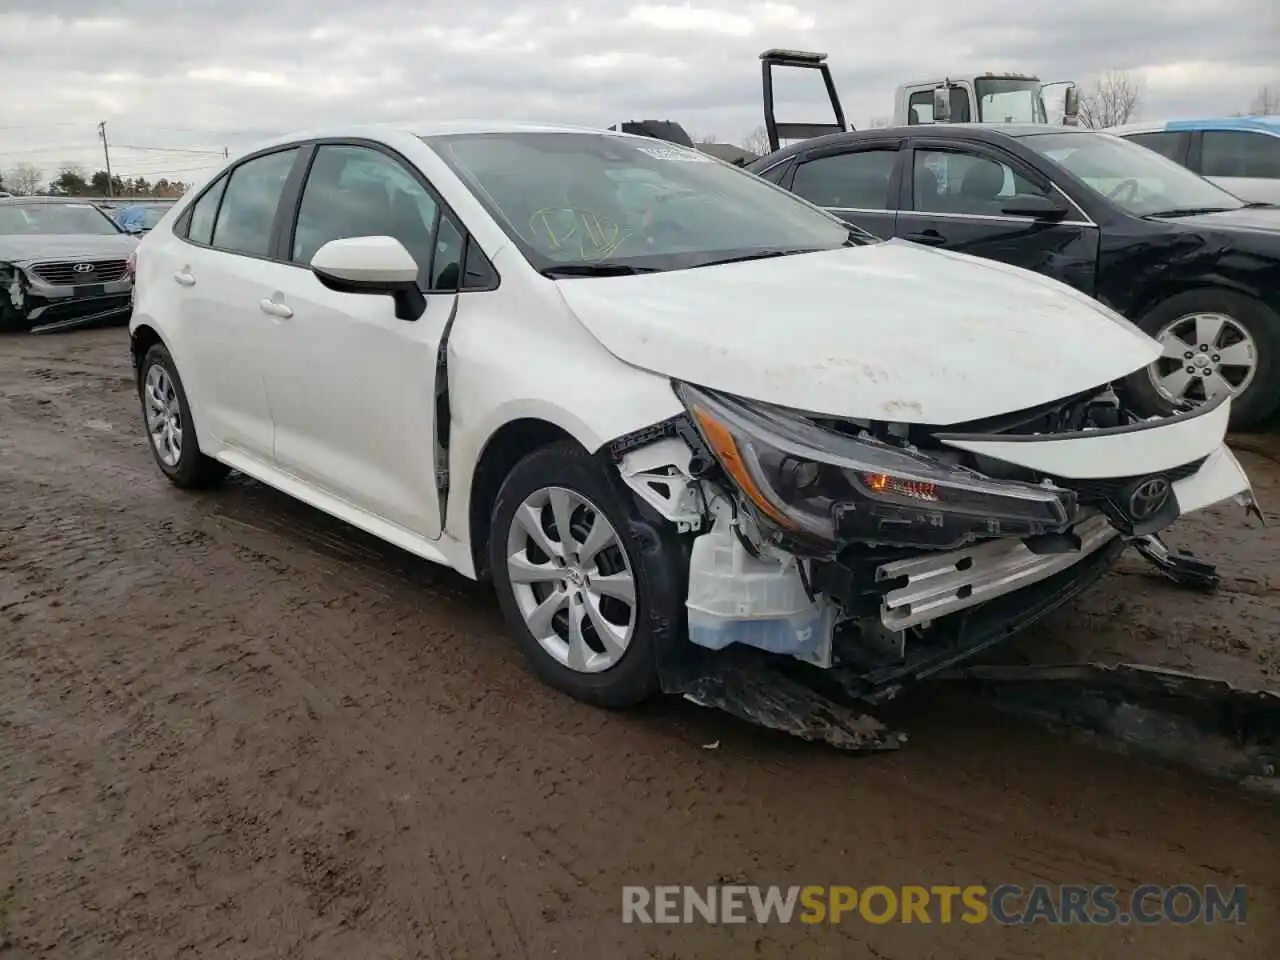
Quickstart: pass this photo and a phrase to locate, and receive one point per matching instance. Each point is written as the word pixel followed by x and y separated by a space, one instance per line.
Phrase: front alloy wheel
pixel 1205 355
pixel 571 579
pixel 592 583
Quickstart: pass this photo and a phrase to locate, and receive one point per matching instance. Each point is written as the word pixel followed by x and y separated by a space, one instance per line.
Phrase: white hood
pixel 890 331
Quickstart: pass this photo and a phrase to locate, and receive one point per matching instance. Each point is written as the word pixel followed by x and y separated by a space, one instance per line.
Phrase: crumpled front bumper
pixel 931 586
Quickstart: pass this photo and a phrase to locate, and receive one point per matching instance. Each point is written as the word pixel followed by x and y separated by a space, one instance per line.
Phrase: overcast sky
pixel 198 75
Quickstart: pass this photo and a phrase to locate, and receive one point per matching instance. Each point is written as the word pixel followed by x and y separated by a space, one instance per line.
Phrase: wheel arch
pixel 505 447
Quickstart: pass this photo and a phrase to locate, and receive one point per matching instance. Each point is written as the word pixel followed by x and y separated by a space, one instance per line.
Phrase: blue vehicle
pixel 1239 154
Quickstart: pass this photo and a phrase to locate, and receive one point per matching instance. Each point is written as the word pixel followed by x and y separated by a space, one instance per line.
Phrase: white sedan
pixel 667 407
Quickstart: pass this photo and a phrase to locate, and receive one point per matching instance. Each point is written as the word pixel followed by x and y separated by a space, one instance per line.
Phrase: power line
pixel 210 153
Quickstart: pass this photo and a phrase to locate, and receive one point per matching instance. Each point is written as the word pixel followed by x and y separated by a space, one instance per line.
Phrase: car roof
pixel 434 128
pixel 1262 124
pixel 977 132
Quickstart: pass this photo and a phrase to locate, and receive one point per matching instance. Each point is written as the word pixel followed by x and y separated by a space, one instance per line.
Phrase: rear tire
pixel 166 415
pixel 1260 395
pixel 558 583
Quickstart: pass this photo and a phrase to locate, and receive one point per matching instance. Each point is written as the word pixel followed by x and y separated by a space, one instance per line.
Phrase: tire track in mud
pixel 230 725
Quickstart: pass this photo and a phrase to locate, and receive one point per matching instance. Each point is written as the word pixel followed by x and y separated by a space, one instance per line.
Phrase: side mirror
pixel 942 104
pixel 379 265
pixel 1035 206
pixel 1071 106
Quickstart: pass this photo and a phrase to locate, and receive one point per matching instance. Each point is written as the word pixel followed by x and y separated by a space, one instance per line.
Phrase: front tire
pixel 591 609
pixel 1214 340
pixel 171 433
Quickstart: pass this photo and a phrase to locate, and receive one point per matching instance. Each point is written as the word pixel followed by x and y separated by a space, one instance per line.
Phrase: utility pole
pixel 106 155
pixel 225 153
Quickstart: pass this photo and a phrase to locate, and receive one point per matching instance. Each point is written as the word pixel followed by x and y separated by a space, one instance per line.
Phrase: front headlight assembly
pixel 810 484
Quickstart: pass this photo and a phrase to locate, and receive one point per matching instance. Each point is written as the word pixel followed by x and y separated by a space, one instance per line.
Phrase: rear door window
pixel 848 181
pixel 1240 153
pixel 248 211
pixel 1165 143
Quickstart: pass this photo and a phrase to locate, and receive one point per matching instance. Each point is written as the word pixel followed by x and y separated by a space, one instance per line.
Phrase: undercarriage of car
pixel 817 592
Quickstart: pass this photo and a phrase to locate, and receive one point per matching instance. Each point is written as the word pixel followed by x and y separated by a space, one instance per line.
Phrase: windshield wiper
pixel 758 255
pixel 595 270
pixel 1260 204
pixel 1184 212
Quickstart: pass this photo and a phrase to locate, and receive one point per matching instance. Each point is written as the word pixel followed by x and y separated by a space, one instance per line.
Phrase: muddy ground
pixel 230 727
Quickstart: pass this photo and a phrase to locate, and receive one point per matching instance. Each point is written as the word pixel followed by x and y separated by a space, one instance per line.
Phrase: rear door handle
pixel 275 308
pixel 184 277
pixel 930 238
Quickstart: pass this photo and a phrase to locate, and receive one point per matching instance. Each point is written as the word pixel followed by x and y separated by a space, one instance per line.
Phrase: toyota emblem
pixel 1148 498
pixel 83 268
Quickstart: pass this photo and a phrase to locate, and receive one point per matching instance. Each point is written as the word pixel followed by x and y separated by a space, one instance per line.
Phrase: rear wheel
pixel 590 588
pixel 167 416
pixel 1214 342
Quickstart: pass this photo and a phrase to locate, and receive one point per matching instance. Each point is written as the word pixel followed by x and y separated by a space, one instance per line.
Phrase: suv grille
pixel 65 274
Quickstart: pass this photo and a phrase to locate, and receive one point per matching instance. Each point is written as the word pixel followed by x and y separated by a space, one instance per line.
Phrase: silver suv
pixel 63 262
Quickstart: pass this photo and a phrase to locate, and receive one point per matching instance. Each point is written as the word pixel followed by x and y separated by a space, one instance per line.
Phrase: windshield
pixel 574 201
pixel 1009 100
pixel 1138 180
pixel 36 219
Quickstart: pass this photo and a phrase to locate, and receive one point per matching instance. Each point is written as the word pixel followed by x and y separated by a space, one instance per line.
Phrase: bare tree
pixel 757 141
pixel 24 179
pixel 1267 101
pixel 705 138
pixel 1112 99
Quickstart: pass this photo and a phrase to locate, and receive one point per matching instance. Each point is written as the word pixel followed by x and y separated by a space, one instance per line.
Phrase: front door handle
pixel 930 238
pixel 275 308
pixel 184 277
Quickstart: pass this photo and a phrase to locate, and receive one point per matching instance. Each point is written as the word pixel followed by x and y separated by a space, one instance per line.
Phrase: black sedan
pixel 1192 265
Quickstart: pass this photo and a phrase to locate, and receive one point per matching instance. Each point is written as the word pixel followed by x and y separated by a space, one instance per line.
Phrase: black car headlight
pixel 813 484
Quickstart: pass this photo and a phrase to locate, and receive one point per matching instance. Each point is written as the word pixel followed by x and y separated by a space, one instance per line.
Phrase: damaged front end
pixel 835 562
pixel 53 296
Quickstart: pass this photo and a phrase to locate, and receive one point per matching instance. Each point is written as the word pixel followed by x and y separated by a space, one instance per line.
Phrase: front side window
pixel 1240 153
pixel 1139 181
pixel 848 181
pixel 355 191
pixel 920 106
pixel 955 181
pixel 47 219
pixel 581 199
pixel 248 210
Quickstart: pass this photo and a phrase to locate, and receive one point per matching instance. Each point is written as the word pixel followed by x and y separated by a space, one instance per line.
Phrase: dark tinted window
pixel 1165 144
pixel 203 212
pixel 1240 153
pixel 361 192
pixel 954 181
pixel 851 181
pixel 249 206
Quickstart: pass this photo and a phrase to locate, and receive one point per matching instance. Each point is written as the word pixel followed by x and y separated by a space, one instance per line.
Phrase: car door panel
pixel 351 389
pixel 224 332
pixel 953 199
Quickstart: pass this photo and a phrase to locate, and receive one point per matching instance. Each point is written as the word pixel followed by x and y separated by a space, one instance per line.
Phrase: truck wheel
pixel 170 430
pixel 1214 341
pixel 589 586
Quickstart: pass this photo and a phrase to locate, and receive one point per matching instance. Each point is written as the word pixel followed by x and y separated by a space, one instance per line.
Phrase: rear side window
pixel 1166 144
pixel 203 212
pixel 1240 153
pixel 249 205
pixel 848 181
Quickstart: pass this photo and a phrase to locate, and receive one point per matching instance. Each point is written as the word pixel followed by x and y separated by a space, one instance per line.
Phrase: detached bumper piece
pixel 826 705
pixel 1200 722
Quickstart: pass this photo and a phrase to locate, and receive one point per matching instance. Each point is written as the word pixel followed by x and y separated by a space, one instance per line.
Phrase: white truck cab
pixel 973 98
pixel 979 98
